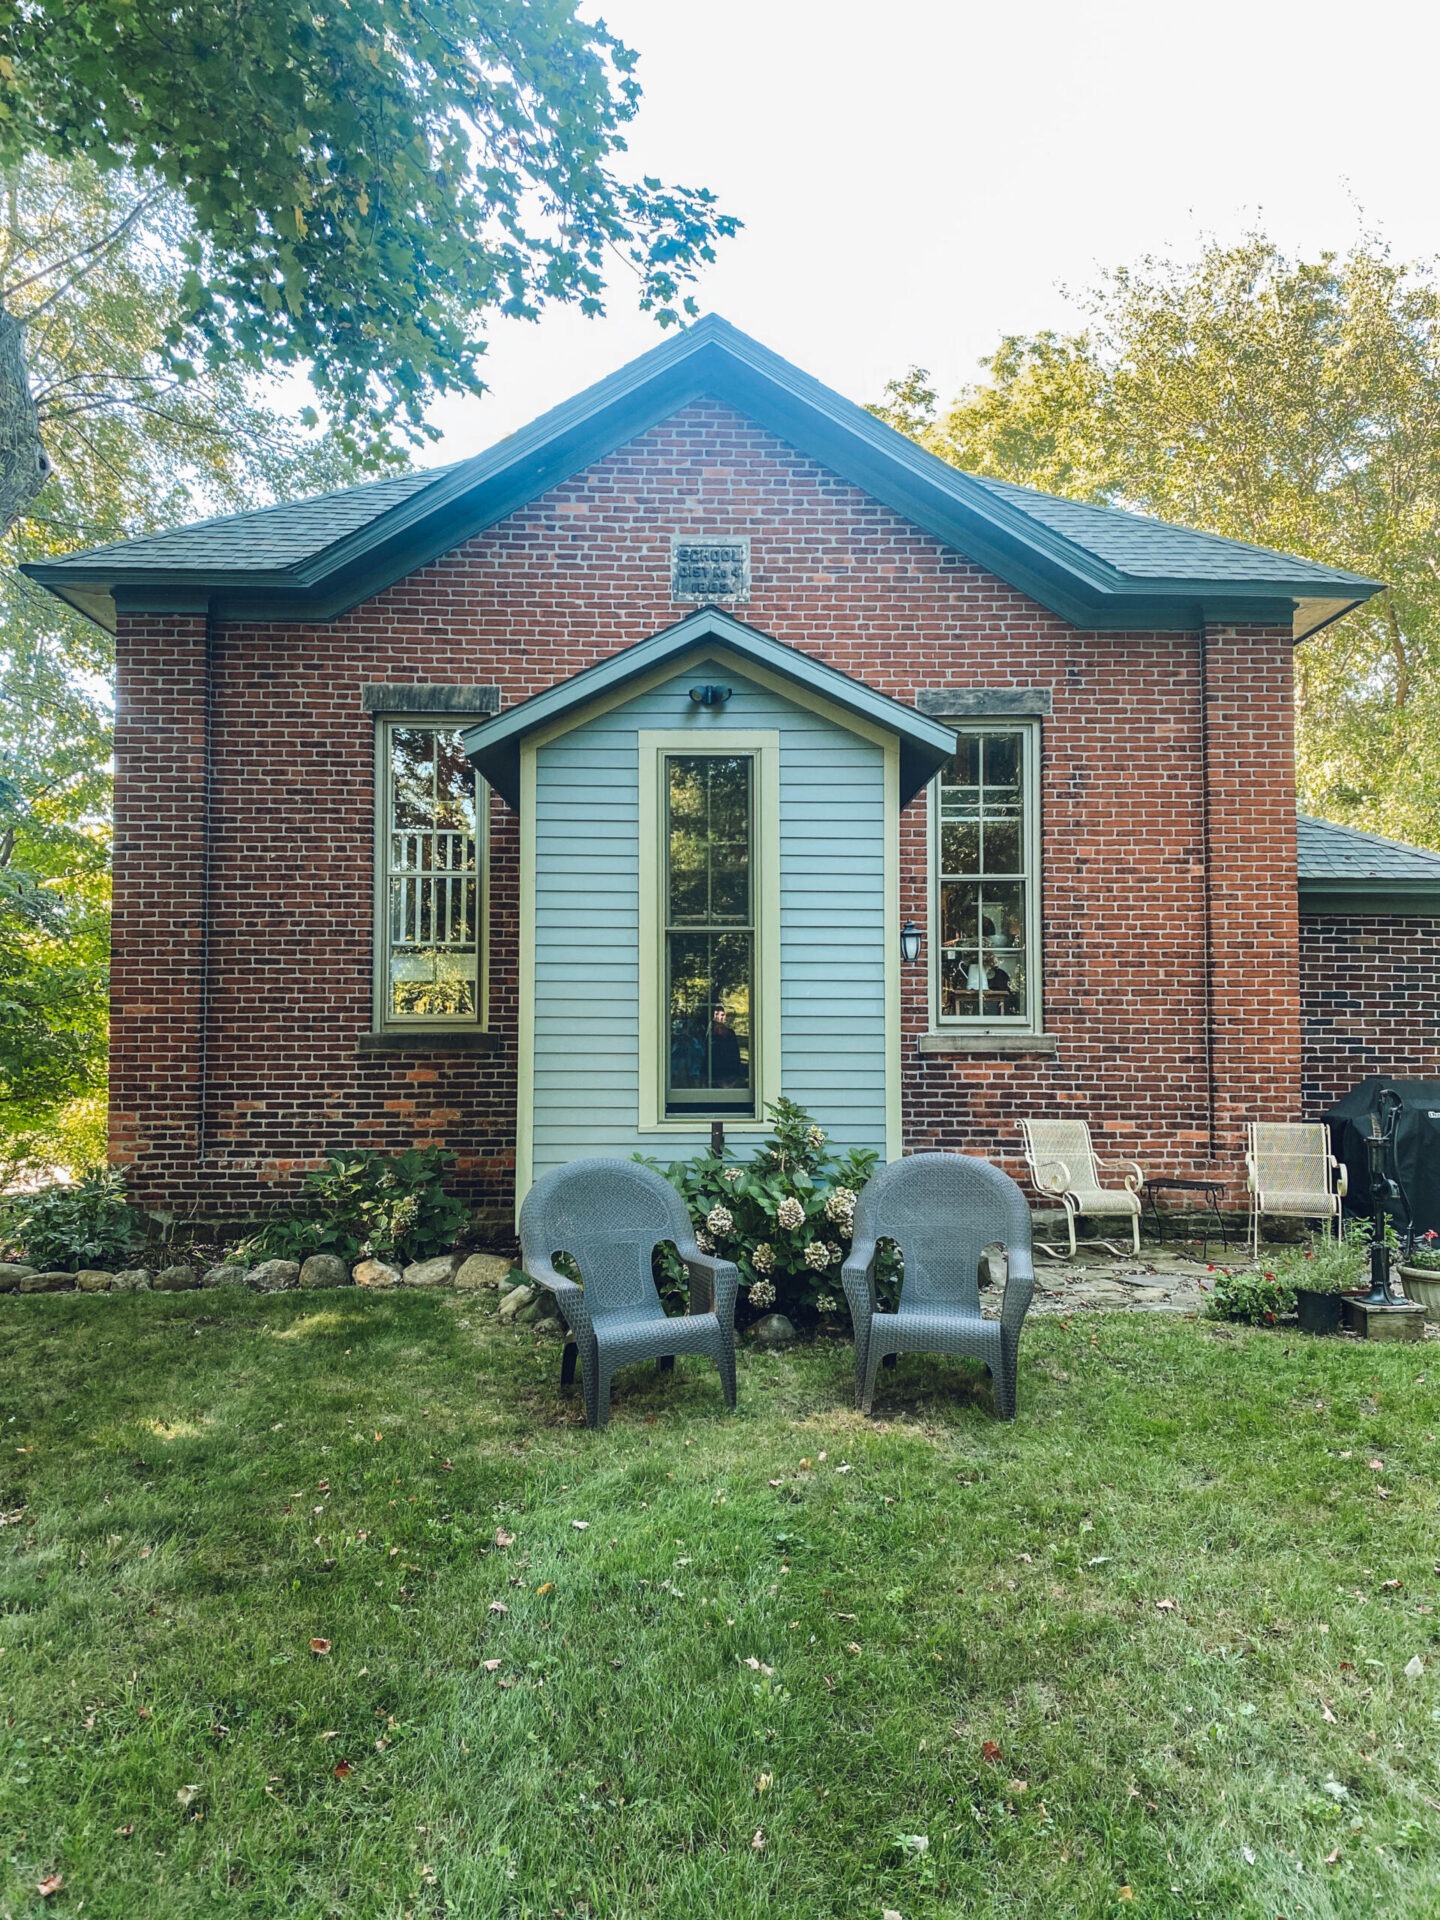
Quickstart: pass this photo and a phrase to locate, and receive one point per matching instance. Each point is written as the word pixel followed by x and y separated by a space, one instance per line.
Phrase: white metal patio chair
pixel 1291 1172
pixel 1063 1167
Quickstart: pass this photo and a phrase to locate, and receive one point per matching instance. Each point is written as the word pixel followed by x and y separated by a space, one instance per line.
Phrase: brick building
pixel 704 741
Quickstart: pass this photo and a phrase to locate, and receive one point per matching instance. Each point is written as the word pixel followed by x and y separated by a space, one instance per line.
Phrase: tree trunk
pixel 24 463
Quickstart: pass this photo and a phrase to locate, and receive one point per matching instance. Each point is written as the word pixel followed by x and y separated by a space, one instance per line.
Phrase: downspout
pixel 207 782
pixel 1206 936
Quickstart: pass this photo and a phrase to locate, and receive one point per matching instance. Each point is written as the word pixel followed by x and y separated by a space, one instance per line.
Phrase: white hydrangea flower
pixel 762 1294
pixel 835 1251
pixel 815 1138
pixel 790 1213
pixel 703 1241
pixel 732 1174
pixel 816 1256
pixel 826 1303
pixel 720 1221
pixel 762 1257
pixel 840 1207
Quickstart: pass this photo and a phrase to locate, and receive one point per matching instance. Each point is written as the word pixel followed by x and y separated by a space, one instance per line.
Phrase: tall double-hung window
pixel 986 854
pixel 430 901
pixel 709 933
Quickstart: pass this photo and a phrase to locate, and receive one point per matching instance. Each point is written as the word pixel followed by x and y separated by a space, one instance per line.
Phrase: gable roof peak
pixel 1096 567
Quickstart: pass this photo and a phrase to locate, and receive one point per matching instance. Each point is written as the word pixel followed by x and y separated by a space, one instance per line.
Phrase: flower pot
pixel 1422 1285
pixel 1318 1312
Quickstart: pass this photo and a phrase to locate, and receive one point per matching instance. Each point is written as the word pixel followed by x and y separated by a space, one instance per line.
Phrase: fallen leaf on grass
pixel 990 1752
pixel 580 1525
pixel 853 1646
pixel 504 1539
pixel 51 1884
pixel 546 1586
pixel 1166 1606
pixel 1376 1466
pixel 318 1646
pixel 1017 1786
pixel 1414 1667
pixel 1332 1858
pixel 498 1606
pixel 1126 1893
pixel 764 1782
pixel 757 1842
pixel 889 1913
pixel 1382 1493
pixel 757 1666
pixel 492 1666
pixel 187 1796
pixel 1247 1854
pixel 777 1483
pixel 342 1769
pixel 126 1831
pixel 1325 1713
pixel 1391 1586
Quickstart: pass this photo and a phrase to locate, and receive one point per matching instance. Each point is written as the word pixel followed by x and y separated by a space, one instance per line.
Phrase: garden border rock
pixel 462 1273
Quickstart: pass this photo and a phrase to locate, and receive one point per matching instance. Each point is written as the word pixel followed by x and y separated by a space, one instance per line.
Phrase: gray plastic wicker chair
pixel 609 1216
pixel 942 1210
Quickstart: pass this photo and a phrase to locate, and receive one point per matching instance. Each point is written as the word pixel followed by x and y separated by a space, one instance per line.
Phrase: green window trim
pixel 665 937
pixel 986 941
pixel 431 865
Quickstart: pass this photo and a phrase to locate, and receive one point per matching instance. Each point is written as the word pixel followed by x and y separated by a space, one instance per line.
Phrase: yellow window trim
pixel 764 749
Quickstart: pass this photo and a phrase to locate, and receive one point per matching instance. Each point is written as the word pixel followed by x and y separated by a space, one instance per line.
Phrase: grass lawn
pixel 1142 1652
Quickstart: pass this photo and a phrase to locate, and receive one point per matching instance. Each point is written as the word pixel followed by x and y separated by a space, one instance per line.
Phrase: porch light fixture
pixel 710 695
pixel 910 938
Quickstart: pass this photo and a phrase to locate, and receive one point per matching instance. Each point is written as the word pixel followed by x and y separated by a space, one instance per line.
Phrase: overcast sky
pixel 917 178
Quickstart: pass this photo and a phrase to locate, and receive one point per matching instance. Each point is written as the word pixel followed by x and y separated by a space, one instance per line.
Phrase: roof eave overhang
pixel 1402 899
pixel 711 359
pixel 494 745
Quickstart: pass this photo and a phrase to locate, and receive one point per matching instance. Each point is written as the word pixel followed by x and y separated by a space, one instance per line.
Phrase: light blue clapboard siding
pixel 587 923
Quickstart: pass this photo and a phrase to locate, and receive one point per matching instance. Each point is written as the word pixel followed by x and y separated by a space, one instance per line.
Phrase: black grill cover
pixel 1416 1163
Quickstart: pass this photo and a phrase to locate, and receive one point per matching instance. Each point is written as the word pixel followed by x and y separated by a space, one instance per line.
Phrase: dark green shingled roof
pixel 1147 549
pixel 1343 870
pixel 1093 566
pixel 267 537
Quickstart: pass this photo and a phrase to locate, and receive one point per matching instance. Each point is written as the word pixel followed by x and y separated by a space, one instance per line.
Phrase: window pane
pixel 1002 846
pixel 959 846
pixel 1002 759
pixel 709 933
pixel 433 959
pixel 964 769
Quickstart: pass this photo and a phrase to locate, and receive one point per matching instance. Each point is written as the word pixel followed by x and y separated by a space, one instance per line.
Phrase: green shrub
pixel 87 1224
pixel 785 1216
pixel 1327 1265
pixel 1257 1299
pixel 389 1206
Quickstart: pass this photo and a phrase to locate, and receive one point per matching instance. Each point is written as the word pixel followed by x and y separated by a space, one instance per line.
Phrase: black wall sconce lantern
pixel 710 695
pixel 910 938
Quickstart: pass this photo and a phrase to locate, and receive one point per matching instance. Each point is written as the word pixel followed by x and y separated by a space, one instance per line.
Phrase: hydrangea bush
pixel 785 1216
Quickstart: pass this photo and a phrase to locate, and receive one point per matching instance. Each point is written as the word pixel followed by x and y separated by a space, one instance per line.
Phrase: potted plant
pixel 1420 1273
pixel 1322 1273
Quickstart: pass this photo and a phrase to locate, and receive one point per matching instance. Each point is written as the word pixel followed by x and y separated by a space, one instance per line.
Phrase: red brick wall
pixel 1370 994
pixel 569 579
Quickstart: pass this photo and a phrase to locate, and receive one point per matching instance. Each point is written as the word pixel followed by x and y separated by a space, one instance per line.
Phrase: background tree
pixel 1293 403
pixel 365 183
pixel 133 446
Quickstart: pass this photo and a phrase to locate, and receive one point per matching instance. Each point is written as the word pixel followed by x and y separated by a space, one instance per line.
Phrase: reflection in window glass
pixel 432 877
pixel 984 885
pixel 709 933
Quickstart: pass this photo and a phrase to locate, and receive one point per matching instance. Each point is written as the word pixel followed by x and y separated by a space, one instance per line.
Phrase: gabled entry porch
pixel 709 894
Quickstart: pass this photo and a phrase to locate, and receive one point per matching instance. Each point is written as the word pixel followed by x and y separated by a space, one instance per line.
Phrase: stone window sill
pixel 455 1040
pixel 987 1043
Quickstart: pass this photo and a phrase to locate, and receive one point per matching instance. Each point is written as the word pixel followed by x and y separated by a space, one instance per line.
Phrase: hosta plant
pixel 785 1216
pixel 85 1224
